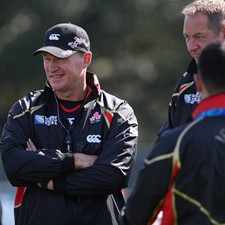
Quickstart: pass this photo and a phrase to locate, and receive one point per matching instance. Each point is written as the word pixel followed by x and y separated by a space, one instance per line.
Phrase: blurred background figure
pixel 204 23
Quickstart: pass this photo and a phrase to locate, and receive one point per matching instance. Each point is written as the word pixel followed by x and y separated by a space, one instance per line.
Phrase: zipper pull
pixel 68 141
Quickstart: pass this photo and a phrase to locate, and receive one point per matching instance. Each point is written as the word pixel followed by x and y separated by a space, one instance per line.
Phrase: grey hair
pixel 213 9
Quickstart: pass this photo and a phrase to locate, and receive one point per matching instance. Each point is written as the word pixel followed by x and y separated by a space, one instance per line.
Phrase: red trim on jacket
pixel 108 117
pixel 77 106
pixel 67 110
pixel 20 193
pixel 213 101
pixel 168 208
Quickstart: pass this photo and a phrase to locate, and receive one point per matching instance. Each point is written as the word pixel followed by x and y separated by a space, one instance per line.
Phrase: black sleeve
pixel 174 113
pixel 151 186
pixel 26 167
pixel 172 107
pixel 110 171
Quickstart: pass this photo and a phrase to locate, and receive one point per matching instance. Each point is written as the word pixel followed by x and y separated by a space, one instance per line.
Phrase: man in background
pixel 204 23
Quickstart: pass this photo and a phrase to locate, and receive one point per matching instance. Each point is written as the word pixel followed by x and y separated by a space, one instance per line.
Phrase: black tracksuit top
pixel 183 100
pixel 104 125
pixel 184 173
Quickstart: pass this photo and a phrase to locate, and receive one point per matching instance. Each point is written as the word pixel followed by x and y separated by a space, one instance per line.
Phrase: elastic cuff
pixel 68 164
pixel 59 184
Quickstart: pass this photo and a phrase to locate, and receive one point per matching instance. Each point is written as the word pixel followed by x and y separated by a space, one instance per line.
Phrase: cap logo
pixel 54 37
pixel 77 41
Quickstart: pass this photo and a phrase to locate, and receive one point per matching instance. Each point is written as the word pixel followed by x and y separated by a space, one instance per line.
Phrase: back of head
pixel 214 9
pixel 212 67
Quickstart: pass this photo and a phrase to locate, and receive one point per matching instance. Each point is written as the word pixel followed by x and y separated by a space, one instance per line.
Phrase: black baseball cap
pixel 64 39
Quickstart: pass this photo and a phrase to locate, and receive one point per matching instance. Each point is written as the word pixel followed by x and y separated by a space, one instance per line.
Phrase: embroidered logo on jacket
pixel 71 120
pixel 192 98
pixel 44 120
pixel 96 117
pixel 95 138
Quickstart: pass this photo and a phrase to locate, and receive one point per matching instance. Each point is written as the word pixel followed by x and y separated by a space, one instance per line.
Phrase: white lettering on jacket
pixel 44 120
pixel 192 98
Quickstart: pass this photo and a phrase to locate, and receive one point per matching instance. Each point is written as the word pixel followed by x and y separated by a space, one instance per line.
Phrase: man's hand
pixel 50 185
pixel 82 161
pixel 31 147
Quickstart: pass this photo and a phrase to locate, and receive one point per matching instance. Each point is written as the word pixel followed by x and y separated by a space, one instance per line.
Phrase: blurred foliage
pixel 137 44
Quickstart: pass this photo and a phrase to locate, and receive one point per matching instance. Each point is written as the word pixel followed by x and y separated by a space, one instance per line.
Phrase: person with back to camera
pixel 69 148
pixel 188 163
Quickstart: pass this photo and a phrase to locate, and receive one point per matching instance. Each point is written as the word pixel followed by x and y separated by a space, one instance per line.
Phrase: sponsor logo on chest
pixel 71 120
pixel 45 120
pixel 50 120
pixel 96 117
pixel 95 138
pixel 192 98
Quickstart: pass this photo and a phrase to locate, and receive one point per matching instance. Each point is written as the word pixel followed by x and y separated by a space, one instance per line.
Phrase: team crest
pixel 96 117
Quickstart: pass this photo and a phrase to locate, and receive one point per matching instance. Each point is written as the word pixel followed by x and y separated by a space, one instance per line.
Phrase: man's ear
pixel 87 58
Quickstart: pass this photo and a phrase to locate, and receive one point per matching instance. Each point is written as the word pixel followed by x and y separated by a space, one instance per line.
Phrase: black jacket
pixel 184 174
pixel 105 126
pixel 183 100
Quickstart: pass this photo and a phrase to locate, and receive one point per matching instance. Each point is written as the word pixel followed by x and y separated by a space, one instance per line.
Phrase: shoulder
pixel 26 103
pixel 110 101
pixel 173 142
pixel 191 137
pixel 115 104
pixel 170 136
pixel 183 133
pixel 117 109
pixel 164 147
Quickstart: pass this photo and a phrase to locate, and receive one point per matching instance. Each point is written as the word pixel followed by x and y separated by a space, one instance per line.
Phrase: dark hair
pixel 211 66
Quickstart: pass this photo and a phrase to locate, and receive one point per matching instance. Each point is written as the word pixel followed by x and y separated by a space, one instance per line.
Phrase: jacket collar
pixel 192 67
pixel 216 101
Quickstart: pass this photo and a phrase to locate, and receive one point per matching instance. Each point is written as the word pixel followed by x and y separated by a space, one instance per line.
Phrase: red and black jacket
pixel 184 174
pixel 104 125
